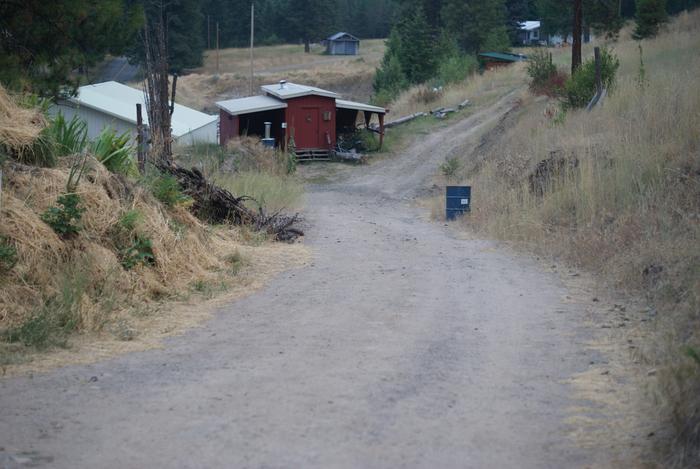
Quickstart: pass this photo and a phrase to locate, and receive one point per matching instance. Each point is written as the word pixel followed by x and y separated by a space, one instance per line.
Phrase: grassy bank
pixel 91 250
pixel 617 191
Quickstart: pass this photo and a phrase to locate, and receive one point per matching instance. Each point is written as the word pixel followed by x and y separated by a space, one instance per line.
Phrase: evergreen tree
pixel 651 14
pixel 477 25
pixel 416 51
pixel 43 42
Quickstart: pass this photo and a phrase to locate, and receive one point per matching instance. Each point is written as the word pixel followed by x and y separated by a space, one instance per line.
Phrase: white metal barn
pixel 111 104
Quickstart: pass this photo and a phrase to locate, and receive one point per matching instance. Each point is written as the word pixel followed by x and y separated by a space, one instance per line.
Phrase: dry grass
pixel 620 196
pixel 480 89
pixel 349 75
pixel 19 127
pixel 80 289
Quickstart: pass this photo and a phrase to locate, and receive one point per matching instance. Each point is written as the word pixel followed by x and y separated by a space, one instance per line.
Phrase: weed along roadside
pixel 96 256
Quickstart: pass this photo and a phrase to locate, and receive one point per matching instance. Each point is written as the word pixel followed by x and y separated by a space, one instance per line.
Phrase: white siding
pixel 206 134
pixel 96 121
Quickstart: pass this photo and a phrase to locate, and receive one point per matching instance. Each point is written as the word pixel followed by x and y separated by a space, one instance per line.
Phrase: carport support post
pixel 381 128
pixel 368 118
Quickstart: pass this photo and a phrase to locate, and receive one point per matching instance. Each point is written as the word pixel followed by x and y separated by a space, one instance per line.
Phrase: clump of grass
pixel 70 137
pixel 167 190
pixel 58 316
pixel 450 167
pixel 274 192
pixel 8 255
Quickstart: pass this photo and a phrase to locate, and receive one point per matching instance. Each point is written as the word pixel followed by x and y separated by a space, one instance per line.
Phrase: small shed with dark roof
pixel 342 44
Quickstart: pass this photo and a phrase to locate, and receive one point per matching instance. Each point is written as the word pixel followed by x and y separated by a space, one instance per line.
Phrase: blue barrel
pixel 268 142
pixel 458 200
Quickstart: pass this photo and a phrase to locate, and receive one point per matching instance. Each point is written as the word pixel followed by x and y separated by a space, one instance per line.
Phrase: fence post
pixel 598 73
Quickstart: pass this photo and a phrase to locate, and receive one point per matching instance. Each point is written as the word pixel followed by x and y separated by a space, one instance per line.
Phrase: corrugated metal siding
pixel 95 120
pixel 206 134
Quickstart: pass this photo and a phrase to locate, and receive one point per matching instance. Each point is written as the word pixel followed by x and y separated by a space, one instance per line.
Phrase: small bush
pixel 65 217
pixel 69 137
pixel 581 86
pixel 8 255
pixel 129 220
pixel 544 76
pixel 114 151
pixel 166 189
pixel 450 167
pixel 139 252
pixel 235 262
pixel 456 68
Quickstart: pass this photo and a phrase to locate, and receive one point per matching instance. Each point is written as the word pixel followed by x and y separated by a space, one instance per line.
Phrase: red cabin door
pixel 307 135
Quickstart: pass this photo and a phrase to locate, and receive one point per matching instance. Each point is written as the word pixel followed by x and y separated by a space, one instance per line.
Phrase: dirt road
pixel 400 346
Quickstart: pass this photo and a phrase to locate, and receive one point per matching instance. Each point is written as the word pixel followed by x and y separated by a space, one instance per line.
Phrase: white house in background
pixel 530 33
pixel 112 104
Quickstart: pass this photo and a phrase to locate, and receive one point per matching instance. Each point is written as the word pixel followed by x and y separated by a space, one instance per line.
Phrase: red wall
pixel 305 116
pixel 228 127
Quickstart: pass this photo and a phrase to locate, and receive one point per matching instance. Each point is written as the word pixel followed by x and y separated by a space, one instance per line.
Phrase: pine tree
pixel 43 42
pixel 477 25
pixel 651 14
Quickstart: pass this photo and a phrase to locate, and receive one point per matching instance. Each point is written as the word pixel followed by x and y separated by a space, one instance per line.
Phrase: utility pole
pixel 577 32
pixel 217 47
pixel 208 34
pixel 252 34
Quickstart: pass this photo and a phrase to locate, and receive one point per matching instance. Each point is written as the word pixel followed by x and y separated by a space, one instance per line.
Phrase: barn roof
pixel 343 104
pixel 503 56
pixel 342 35
pixel 292 90
pixel 250 104
pixel 529 25
pixel 117 100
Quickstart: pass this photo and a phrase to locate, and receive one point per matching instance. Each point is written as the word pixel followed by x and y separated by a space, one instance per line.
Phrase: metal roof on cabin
pixel 337 36
pixel 117 100
pixel 343 104
pixel 292 90
pixel 529 25
pixel 505 57
pixel 250 104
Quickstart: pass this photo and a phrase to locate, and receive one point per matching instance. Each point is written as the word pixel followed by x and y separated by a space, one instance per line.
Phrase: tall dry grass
pixel 618 192
pixel 480 89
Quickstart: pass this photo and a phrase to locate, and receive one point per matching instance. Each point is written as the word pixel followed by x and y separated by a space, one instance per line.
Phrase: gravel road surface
pixel 401 345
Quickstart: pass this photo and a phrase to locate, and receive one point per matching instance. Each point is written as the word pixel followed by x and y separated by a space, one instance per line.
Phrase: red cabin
pixel 311 116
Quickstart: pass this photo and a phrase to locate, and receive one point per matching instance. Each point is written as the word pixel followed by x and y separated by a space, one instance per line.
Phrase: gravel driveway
pixel 401 345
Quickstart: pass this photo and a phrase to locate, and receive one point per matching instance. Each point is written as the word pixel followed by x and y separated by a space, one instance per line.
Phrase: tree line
pixel 45 45
pixel 439 40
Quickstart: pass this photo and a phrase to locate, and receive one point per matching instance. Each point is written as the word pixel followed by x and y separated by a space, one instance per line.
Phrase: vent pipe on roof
pixel 282 83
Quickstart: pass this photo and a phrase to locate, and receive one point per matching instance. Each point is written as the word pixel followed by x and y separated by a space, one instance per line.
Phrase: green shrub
pixel 456 68
pixel 166 189
pixel 139 252
pixel 69 137
pixel 65 217
pixel 540 68
pixel 114 151
pixel 450 167
pixel 8 255
pixel 581 86
pixel 129 220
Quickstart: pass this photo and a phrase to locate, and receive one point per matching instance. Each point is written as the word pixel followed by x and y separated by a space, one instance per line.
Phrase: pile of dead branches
pixel 217 205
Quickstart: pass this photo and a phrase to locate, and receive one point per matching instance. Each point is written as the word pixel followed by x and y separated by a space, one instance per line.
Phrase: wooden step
pixel 315 154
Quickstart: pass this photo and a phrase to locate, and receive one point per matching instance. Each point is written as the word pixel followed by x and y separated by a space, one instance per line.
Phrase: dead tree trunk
pixel 158 105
